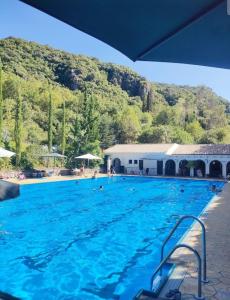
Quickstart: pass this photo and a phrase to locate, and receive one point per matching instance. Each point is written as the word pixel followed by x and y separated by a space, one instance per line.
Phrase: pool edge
pixel 187 238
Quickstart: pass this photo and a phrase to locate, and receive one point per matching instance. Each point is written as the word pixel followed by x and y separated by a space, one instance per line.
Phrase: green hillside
pixel 104 104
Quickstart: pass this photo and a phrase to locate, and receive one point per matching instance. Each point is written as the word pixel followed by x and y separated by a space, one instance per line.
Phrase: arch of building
pixel 170 168
pixel 184 169
pixel 117 165
pixel 199 168
pixel 228 169
pixel 215 169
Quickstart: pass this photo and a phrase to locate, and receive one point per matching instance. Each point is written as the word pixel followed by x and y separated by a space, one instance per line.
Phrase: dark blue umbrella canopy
pixel 180 31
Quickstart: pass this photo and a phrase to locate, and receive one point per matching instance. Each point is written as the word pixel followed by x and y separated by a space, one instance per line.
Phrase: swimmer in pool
pixel 182 189
pixel 214 189
pixel 101 188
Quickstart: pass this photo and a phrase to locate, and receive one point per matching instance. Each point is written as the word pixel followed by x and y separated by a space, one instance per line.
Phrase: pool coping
pixel 52 179
pixel 100 175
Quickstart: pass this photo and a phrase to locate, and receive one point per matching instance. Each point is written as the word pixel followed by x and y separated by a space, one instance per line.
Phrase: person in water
pixel 101 188
pixel 94 175
pixel 215 189
pixel 182 189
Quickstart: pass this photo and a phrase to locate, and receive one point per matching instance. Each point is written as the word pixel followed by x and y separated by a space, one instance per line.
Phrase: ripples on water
pixel 72 241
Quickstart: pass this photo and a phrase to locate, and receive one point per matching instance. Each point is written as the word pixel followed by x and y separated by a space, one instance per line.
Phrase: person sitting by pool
pixel 112 170
pixel 214 189
pixel 21 176
pixel 82 170
pixel 199 173
pixel 94 175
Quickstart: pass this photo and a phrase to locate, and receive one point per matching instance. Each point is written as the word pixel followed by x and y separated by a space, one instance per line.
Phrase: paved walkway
pixel 52 178
pixel 217 221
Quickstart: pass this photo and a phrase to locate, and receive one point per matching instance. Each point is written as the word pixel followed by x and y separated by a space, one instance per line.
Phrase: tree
pixel 110 110
pixel 195 129
pixel 1 105
pixel 18 127
pixel 181 136
pixel 77 136
pixel 214 136
pixel 86 127
pixel 90 118
pixel 157 134
pixel 63 129
pixel 50 123
pixel 150 99
pixel 129 126
pixel 106 131
pixel 165 117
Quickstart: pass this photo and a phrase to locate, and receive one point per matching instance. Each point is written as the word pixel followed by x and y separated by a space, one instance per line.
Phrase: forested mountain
pixel 77 103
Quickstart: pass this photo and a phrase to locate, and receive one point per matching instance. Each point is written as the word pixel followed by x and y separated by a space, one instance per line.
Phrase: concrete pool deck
pixel 52 179
pixel 217 221
pixel 87 176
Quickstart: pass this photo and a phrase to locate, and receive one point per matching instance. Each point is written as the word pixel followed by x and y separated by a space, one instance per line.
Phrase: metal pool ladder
pixel 199 261
pixel 204 257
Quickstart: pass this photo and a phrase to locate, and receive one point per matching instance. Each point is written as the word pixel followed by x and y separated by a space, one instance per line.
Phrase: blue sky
pixel 20 20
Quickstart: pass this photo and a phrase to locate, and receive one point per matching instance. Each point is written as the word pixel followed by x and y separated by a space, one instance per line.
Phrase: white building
pixel 170 159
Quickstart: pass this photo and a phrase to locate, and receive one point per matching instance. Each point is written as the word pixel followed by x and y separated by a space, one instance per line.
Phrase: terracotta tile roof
pixel 138 148
pixel 207 149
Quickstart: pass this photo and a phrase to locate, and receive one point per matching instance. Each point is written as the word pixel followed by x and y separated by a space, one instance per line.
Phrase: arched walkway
pixel 170 168
pixel 199 170
pixel 228 169
pixel 215 169
pixel 184 170
pixel 117 165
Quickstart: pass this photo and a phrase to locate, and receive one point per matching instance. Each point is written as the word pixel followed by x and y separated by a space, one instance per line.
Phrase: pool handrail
pixel 199 261
pixel 204 257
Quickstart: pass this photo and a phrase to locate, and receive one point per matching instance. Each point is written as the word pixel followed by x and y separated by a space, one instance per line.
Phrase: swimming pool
pixel 72 241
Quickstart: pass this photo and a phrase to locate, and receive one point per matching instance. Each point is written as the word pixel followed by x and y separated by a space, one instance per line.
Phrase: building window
pixel 135 162
pixel 130 161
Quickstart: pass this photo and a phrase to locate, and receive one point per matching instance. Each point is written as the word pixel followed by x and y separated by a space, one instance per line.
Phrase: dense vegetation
pixel 50 99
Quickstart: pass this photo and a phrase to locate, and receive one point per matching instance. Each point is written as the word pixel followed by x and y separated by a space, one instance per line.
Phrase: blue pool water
pixel 71 241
